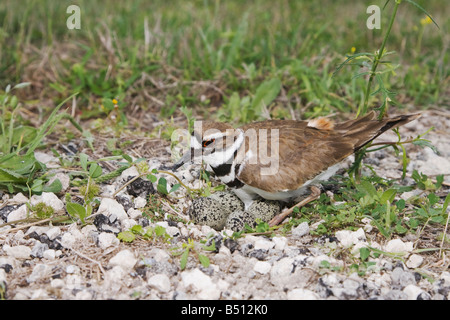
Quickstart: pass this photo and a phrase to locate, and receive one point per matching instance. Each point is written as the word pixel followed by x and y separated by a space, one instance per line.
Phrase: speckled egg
pixel 264 209
pixel 229 200
pixel 208 211
pixel 236 220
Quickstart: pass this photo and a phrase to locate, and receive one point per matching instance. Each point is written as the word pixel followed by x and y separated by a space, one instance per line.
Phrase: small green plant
pixel 19 169
pixel 88 191
pixel 191 247
pixel 42 211
pixel 249 108
pixel 150 233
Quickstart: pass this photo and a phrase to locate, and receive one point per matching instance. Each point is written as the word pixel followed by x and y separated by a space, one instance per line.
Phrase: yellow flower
pixel 425 21
pixel 353 50
pixel 115 101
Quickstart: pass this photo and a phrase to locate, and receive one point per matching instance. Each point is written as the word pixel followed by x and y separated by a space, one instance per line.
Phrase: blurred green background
pixel 157 56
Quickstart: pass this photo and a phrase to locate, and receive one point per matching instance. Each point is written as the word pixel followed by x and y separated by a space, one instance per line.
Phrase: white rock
pixel 67 240
pixel 38 229
pixel 130 172
pixel 89 230
pixel 134 213
pixel 398 246
pixel 412 291
pixel 280 242
pixel 83 295
pixel 18 252
pixel 53 232
pixel 160 282
pixel 200 283
pixel 107 239
pixel 262 267
pixel 19 199
pixel 50 199
pixel 263 244
pixel 173 231
pixel 18 214
pixel 110 207
pixel 57 283
pixel 159 255
pixel 49 254
pixel 163 224
pixel 124 259
pixel 302 294
pixel 281 269
pixel 414 261
pixel 127 223
pixel 301 230
pixel 72 269
pixel 348 238
pixel 139 202
pixel 40 271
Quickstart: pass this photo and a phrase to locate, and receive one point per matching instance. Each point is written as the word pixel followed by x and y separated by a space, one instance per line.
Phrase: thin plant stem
pixel 376 62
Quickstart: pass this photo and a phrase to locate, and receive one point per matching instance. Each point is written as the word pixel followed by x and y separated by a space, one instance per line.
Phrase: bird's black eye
pixel 207 142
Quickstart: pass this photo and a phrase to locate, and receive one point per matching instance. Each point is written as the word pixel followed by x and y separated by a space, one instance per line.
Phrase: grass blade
pixel 50 122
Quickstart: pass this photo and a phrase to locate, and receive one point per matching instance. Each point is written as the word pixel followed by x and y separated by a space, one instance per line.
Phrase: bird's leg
pixel 315 194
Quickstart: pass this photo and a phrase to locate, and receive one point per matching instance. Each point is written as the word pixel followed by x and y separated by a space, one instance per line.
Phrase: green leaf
pixel 95 171
pixel 423 10
pixel 126 236
pixel 76 210
pixel 160 230
pixel 388 195
pixel 83 161
pixel 204 260
pixel 364 253
pixel 368 188
pixel 426 143
pixel 54 187
pixel 264 95
pixel 175 187
pixel 162 186
pixel 184 258
pixel 137 229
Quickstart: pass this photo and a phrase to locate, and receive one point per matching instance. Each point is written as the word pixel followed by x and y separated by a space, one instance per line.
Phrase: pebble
pixel 412 291
pixel 348 238
pixel 402 278
pixel 124 259
pixel 107 239
pixel 53 232
pixel 160 282
pixel 18 252
pixel 50 199
pixel 301 230
pixel 40 271
pixel 49 254
pixel 18 214
pixel 68 240
pixel 262 267
pixel 414 261
pixel 200 283
pixel 110 207
pixel 398 246
pixel 302 294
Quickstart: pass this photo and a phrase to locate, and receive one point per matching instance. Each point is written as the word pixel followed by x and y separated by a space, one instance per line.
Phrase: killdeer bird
pixel 282 159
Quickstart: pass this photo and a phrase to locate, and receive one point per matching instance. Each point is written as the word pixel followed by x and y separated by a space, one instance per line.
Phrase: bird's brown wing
pixel 301 154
